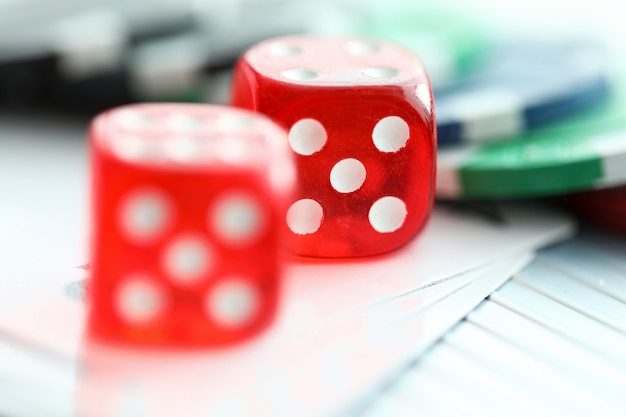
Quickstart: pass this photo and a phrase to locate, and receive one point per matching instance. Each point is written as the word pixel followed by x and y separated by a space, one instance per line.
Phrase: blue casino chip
pixel 520 86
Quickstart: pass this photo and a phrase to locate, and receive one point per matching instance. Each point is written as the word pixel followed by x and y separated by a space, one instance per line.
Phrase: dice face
pixel 188 202
pixel 361 126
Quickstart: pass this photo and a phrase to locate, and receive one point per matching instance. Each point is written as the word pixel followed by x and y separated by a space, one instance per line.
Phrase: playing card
pixel 327 370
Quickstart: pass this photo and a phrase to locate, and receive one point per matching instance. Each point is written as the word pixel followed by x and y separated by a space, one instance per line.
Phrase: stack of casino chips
pixel 75 52
pixel 537 121
pixel 97 54
pixel 89 56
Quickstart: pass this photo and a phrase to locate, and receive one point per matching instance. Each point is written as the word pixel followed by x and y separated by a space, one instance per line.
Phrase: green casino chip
pixel 448 43
pixel 582 152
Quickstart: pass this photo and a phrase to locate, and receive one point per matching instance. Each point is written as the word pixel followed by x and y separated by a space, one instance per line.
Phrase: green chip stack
pixel 582 152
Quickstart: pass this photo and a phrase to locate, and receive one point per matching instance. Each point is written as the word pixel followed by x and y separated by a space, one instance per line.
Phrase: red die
pixel 360 119
pixel 188 208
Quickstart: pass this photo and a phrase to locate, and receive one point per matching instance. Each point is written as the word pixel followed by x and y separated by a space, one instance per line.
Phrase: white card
pixel 320 291
pixel 277 374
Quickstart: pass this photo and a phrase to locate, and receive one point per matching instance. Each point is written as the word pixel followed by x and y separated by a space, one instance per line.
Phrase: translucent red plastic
pixel 361 126
pixel 188 204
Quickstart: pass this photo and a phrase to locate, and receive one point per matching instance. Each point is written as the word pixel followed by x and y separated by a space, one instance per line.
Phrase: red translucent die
pixel 360 119
pixel 188 208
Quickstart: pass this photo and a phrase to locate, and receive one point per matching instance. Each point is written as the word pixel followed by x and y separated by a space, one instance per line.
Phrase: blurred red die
pixel 188 205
